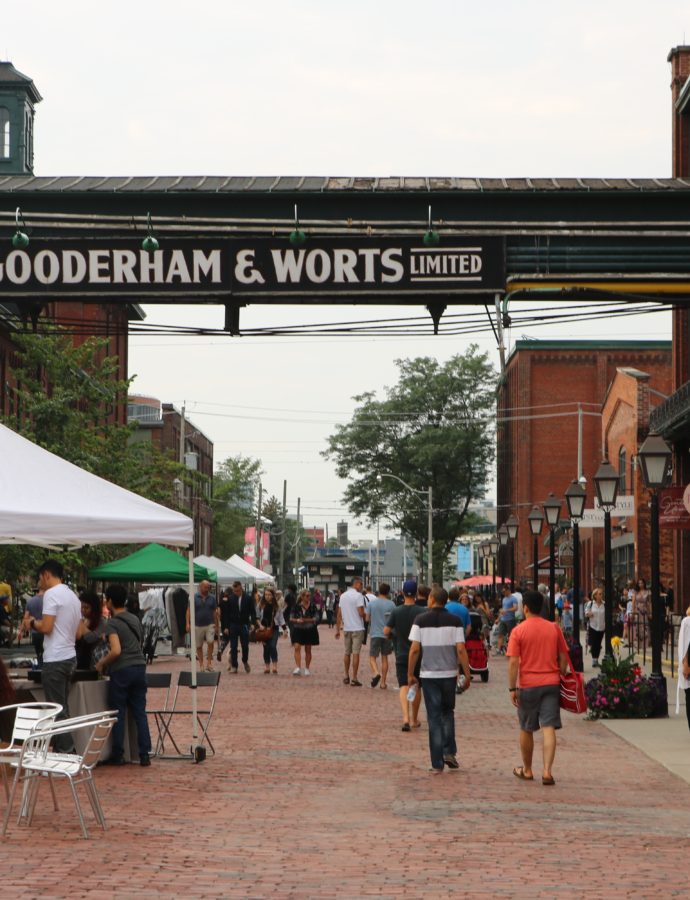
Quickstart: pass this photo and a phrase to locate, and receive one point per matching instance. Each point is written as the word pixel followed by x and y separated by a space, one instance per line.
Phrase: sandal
pixel 416 724
pixel 346 680
pixel 519 772
pixel 406 727
pixel 355 683
pixel 548 779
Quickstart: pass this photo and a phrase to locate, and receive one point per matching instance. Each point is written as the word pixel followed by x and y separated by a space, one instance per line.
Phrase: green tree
pixel 235 486
pixel 434 427
pixel 65 400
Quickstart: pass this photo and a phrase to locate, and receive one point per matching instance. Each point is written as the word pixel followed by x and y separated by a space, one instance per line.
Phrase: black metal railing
pixel 675 407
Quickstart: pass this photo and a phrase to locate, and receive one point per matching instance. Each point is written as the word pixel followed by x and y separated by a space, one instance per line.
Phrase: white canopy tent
pixel 225 572
pixel 249 572
pixel 46 501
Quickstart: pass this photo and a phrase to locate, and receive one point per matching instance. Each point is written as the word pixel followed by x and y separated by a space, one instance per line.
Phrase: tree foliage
pixel 235 486
pixel 434 427
pixel 65 399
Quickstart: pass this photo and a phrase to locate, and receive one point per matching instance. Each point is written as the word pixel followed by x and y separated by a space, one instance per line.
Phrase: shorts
pixel 505 628
pixel 539 707
pixel 204 634
pixel 380 646
pixel 401 671
pixel 352 642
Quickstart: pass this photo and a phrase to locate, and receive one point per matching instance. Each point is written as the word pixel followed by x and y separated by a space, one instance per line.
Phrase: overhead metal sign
pixel 268 268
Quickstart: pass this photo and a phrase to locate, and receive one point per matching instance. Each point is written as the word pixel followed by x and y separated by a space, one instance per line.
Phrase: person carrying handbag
pixel 271 618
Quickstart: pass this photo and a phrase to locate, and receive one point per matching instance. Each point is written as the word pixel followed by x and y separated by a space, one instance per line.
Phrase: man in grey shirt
pixel 378 613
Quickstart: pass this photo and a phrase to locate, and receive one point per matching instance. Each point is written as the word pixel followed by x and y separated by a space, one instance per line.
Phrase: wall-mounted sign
pixel 674 511
pixel 624 509
pixel 261 267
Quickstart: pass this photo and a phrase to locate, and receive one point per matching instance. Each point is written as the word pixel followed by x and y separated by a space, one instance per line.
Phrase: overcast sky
pixel 383 87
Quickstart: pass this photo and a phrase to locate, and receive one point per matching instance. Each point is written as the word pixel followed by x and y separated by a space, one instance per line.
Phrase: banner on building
pixel 465 558
pixel 674 507
pixel 250 548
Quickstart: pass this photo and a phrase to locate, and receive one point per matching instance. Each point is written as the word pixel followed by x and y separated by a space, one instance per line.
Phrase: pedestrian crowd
pixel 423 630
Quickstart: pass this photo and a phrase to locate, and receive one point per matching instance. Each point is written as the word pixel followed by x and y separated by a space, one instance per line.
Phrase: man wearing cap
pixel 398 627
pixel 350 621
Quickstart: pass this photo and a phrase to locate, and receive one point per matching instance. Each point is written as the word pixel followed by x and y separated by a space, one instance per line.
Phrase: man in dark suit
pixel 236 613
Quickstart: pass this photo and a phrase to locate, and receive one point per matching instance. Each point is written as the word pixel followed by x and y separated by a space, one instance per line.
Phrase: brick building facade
pixel 537 431
pixel 162 424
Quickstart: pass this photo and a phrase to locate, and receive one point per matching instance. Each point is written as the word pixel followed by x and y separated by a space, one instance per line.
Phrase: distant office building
pixel 342 534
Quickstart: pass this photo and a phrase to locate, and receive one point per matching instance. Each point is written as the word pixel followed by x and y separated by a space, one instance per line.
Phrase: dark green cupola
pixel 18 96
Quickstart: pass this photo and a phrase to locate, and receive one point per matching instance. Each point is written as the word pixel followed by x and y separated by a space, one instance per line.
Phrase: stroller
pixel 477 649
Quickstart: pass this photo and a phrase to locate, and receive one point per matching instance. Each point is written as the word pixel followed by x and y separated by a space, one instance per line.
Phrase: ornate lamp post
pixel 575 497
pixel 536 520
pixel 503 540
pixel 512 524
pixel 485 550
pixel 552 512
pixel 606 484
pixel 494 544
pixel 655 458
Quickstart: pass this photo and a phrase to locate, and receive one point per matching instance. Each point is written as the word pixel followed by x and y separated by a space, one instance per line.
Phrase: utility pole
pixel 281 564
pixel 297 541
pixel 182 436
pixel 257 530
pixel 378 553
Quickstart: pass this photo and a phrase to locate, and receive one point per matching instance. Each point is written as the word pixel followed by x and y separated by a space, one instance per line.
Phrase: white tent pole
pixel 192 644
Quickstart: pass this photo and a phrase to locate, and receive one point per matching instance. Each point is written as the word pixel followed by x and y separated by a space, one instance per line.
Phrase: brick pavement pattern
pixel 315 792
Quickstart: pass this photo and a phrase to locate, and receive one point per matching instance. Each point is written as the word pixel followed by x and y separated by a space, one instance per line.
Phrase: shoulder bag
pixel 572 696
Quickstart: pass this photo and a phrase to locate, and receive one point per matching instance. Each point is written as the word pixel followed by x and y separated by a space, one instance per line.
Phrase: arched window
pixel 4 132
pixel 621 470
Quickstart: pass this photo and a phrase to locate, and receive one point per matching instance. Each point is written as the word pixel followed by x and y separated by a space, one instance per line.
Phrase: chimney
pixel 679 58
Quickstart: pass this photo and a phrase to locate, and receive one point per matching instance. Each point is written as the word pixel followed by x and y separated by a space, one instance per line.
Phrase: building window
pixel 4 132
pixel 621 470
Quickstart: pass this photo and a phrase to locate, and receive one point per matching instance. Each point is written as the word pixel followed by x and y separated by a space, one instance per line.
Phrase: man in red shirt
pixel 537 655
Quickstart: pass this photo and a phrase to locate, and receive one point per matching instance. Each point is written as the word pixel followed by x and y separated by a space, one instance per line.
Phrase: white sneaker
pixel 297 671
pixel 306 672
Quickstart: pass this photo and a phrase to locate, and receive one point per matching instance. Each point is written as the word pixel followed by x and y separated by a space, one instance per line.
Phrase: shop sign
pixel 674 507
pixel 257 267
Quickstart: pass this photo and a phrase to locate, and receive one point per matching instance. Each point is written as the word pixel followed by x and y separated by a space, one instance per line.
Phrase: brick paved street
pixel 315 792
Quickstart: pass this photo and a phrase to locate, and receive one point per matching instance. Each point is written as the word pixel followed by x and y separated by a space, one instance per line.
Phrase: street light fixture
pixel 512 524
pixel 430 522
pixel 552 512
pixel 536 520
pixel 655 459
pixel 503 540
pixel 575 497
pixel 494 544
pixel 606 484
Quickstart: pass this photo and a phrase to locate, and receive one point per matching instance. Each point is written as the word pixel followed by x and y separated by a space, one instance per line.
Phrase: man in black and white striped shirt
pixel 441 637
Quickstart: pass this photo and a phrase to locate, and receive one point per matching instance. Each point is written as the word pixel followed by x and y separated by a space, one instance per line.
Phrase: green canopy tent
pixel 152 563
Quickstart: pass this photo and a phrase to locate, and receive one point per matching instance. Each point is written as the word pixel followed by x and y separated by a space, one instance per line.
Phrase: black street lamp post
pixel 606 484
pixel 655 458
pixel 575 497
pixel 512 525
pixel 494 544
pixel 503 540
pixel 536 520
pixel 552 512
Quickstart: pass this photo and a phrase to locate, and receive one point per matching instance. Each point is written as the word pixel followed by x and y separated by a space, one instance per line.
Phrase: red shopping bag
pixel 573 691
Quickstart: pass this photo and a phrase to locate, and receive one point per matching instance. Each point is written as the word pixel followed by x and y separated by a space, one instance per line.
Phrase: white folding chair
pixel 26 717
pixel 37 761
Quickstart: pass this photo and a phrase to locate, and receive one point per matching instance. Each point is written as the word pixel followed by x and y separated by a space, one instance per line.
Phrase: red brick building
pixel 162 425
pixel 545 383
pixel 625 425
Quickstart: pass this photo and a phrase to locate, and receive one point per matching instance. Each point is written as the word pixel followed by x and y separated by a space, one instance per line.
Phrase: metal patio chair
pixel 36 761
pixel 26 717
